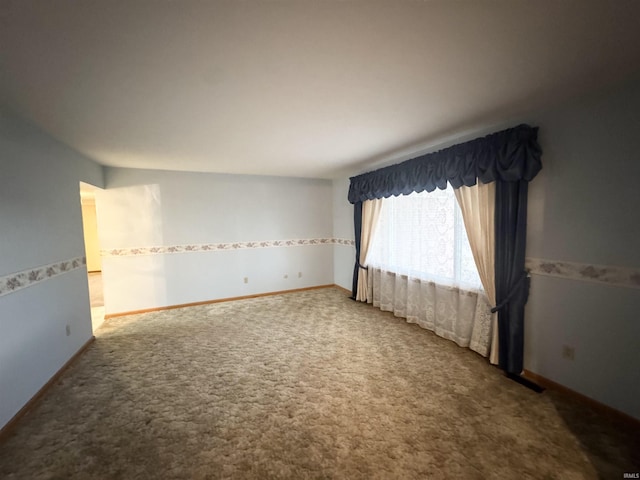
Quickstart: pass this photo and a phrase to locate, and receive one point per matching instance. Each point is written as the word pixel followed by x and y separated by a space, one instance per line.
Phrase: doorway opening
pixel 92 249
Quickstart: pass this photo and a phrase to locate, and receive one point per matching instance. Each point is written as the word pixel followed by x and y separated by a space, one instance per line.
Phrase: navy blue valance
pixel 509 155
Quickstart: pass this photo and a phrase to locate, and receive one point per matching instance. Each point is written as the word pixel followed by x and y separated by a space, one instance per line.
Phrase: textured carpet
pixel 303 385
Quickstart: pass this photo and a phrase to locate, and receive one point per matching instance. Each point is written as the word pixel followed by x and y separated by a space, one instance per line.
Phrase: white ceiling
pixel 302 88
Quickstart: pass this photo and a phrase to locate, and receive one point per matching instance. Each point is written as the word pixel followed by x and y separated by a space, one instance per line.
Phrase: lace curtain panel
pixel 421 268
pixel 458 315
pixel 422 235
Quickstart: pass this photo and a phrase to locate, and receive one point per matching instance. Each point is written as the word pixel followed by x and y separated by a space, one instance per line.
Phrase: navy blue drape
pixel 357 224
pixel 509 155
pixel 512 280
pixel 511 158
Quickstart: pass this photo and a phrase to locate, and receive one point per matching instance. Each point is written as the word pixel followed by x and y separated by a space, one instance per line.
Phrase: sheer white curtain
pixel 421 268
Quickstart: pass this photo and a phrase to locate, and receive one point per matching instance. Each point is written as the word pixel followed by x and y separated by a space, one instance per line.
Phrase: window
pixel 422 235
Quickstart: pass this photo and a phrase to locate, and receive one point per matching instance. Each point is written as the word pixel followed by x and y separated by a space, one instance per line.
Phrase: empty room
pixel 319 239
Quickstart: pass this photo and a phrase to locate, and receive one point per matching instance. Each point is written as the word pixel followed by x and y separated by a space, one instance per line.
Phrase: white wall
pixel 145 208
pixel 584 209
pixel 90 228
pixel 344 255
pixel 40 223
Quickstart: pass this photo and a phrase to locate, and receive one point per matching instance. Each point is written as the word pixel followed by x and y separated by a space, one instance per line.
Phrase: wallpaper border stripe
pixel 216 247
pixel 26 278
pixel 608 274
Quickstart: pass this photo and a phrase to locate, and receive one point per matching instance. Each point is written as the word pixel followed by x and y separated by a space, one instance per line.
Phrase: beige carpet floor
pixel 304 385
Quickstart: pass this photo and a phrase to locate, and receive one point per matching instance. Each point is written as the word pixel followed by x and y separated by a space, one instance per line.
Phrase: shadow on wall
pixel 130 218
pixel 601 441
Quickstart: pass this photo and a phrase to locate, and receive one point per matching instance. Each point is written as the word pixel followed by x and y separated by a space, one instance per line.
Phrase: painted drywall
pixel 90 228
pixel 344 255
pixel 41 223
pixel 144 208
pixel 583 208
